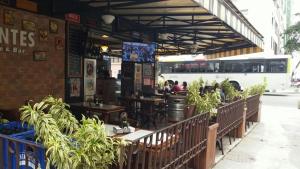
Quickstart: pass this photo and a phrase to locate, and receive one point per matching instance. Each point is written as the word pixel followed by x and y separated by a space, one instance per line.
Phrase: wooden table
pixel 105 109
pixel 146 101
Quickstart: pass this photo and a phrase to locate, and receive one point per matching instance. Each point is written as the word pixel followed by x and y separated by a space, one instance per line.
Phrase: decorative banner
pixel 89 78
pixel 74 87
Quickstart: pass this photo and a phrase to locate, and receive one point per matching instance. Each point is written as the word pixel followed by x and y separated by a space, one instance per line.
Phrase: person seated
pixel 176 87
pixel 217 88
pixel 166 88
pixel 184 86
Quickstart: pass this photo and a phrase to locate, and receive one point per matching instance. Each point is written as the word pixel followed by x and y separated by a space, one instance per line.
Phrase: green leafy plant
pixel 204 104
pixel 258 88
pixel 292 34
pixel 230 93
pixel 208 103
pixel 70 145
pixel 193 95
pixel 3 120
pixel 245 94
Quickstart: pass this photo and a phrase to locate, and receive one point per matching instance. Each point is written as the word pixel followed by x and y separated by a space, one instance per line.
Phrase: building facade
pixel 270 17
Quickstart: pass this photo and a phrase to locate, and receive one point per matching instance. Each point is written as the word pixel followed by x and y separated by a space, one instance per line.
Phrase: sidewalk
pixel 273 144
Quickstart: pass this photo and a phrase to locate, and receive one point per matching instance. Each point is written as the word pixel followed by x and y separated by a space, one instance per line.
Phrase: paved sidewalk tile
pixel 273 144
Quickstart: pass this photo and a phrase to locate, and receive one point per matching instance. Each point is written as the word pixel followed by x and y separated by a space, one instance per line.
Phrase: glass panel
pixel 276 66
pixel 194 67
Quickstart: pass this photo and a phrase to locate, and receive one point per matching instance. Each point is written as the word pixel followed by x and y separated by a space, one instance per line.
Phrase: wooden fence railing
pixel 252 106
pixel 229 118
pixel 169 148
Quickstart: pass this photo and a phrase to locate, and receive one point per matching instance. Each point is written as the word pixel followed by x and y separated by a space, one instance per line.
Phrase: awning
pixel 179 26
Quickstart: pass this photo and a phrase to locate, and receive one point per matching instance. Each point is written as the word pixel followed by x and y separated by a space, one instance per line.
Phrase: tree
pixel 292 34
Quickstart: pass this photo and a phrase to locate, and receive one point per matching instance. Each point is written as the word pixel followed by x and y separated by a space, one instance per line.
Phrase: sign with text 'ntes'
pixel 15 41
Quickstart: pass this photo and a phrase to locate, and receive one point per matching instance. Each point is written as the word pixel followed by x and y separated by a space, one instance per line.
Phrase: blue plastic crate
pixel 12 125
pixel 34 157
pixel 16 125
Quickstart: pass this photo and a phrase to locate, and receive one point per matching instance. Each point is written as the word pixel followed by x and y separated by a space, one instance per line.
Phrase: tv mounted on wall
pixel 139 52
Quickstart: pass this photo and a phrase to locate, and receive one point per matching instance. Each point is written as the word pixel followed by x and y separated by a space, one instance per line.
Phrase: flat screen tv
pixel 139 52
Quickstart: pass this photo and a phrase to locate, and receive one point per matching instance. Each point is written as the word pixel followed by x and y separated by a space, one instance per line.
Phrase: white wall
pixel 259 13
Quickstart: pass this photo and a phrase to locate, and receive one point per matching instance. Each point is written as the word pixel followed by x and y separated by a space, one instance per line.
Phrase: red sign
pixel 72 17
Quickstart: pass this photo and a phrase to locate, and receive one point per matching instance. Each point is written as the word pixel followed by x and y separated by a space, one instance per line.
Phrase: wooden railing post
pixel 257 116
pixel 206 159
pixel 242 127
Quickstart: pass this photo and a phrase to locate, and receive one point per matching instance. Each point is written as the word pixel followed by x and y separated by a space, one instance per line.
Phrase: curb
pixel 274 94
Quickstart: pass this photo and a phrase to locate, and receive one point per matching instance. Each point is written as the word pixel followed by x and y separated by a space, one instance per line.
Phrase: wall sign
pixel 53 26
pixel 40 56
pixel 28 25
pixel 15 41
pixel 59 43
pixel 8 17
pixel 43 35
pixel 72 17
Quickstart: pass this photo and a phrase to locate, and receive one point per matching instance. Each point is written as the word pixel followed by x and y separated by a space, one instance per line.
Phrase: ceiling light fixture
pixel 108 18
pixel 104 48
pixel 105 36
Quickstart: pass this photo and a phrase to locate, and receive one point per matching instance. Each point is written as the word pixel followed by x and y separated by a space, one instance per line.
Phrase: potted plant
pixel 192 98
pixel 70 144
pixel 231 94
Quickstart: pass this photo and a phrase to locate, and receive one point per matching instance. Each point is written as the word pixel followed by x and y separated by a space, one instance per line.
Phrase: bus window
pixel 217 67
pixel 194 67
pixel 202 67
pixel 237 67
pixel 276 66
pixel 258 66
pixel 228 67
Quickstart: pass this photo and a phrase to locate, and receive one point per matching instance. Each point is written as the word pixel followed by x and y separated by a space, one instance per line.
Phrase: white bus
pixel 247 70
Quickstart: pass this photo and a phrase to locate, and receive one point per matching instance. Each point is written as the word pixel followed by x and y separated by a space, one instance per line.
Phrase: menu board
pixel 75 48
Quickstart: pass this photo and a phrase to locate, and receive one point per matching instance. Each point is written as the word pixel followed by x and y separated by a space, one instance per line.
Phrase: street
pixel 289 100
pixel 272 144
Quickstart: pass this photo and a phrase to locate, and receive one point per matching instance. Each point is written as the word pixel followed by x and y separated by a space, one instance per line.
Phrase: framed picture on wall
pixel 28 25
pixel 59 43
pixel 8 17
pixel 89 78
pixel 43 34
pixel 40 56
pixel 75 87
pixel 53 26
